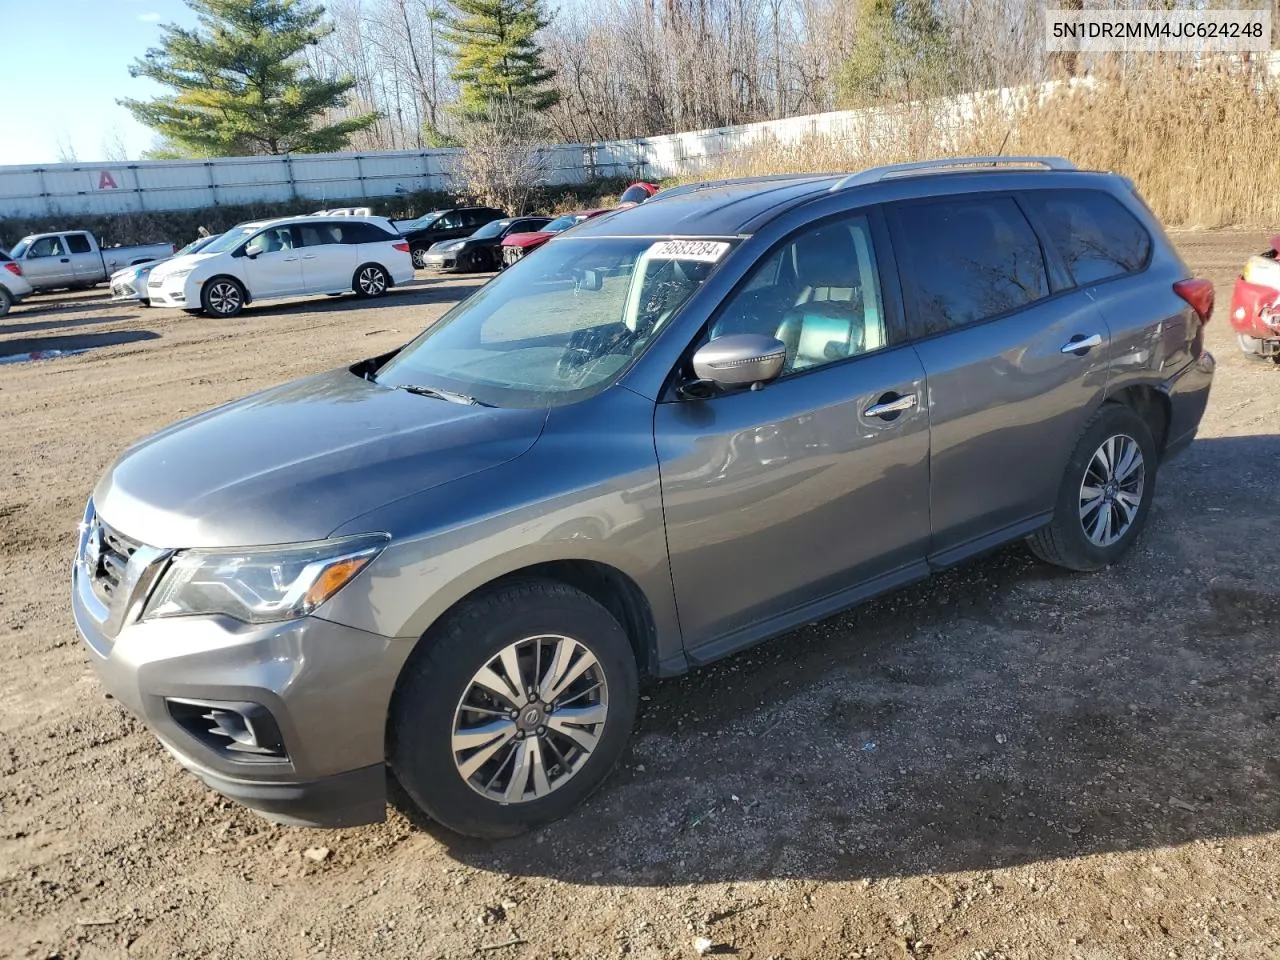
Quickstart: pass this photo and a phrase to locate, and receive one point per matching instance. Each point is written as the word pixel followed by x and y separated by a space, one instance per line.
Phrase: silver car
pixel 679 430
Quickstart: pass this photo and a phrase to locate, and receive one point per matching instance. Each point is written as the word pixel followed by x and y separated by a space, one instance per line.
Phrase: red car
pixel 638 192
pixel 1255 305
pixel 518 245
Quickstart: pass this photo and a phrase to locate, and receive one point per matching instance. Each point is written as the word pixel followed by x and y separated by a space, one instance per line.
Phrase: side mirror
pixel 588 279
pixel 740 359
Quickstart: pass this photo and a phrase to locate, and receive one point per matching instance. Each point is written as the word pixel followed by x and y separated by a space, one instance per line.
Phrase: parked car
pixel 439 225
pixel 1255 305
pixel 72 259
pixel 481 250
pixel 668 436
pixel 286 257
pixel 13 285
pixel 638 192
pixel 518 245
pixel 131 282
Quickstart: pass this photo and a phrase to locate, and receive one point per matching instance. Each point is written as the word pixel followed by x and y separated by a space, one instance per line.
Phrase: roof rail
pixel 698 186
pixel 888 171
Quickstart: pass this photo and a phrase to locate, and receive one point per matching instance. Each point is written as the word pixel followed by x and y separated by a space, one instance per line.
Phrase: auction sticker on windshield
pixel 707 251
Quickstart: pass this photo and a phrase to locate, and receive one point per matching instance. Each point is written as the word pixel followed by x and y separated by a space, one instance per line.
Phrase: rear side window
pixel 319 234
pixel 964 261
pixel 363 233
pixel 1096 236
pixel 78 243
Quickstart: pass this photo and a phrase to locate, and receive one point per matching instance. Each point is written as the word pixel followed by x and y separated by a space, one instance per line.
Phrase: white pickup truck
pixel 72 258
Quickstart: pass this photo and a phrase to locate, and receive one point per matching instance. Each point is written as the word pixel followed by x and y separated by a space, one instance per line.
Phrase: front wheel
pixel 1105 495
pixel 514 708
pixel 222 297
pixel 371 281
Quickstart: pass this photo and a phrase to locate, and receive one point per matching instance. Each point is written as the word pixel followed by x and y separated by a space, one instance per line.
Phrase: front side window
pixel 560 224
pixel 560 326
pixel 78 243
pixel 1096 236
pixel 819 293
pixel 494 228
pixel 964 261
pixel 450 221
pixel 271 240
pixel 46 247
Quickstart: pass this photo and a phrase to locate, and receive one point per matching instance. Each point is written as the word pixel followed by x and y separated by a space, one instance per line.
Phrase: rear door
pixel 47 263
pixel 817 484
pixel 86 261
pixel 1014 358
pixel 272 264
pixel 328 264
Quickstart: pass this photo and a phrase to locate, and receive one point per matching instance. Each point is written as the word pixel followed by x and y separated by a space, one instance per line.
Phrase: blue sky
pixel 65 63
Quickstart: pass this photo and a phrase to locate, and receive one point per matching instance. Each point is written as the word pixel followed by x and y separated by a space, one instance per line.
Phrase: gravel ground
pixel 1008 761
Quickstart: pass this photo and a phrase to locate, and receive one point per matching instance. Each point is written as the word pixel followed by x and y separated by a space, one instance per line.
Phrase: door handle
pixel 1080 344
pixel 66 259
pixel 309 256
pixel 290 259
pixel 889 406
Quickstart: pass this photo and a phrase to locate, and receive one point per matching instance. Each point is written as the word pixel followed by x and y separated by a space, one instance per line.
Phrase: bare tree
pixel 502 161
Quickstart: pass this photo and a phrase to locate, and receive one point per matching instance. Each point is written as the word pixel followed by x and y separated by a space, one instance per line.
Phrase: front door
pixel 1009 392
pixel 272 265
pixel 796 493
pixel 47 264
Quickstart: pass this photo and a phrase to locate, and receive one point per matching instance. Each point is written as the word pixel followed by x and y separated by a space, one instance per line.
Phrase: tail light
pixel 402 246
pixel 13 268
pixel 1199 294
pixel 173 248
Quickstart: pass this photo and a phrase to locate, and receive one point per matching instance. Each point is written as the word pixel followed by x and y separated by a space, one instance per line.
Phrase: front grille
pixel 154 284
pixel 113 553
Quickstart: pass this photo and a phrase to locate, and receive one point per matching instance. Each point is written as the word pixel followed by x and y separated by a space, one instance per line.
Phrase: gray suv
pixel 679 430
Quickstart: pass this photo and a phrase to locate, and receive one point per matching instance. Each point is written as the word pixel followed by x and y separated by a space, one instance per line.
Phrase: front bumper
pixel 439 261
pixel 325 689
pixel 162 295
pixel 123 290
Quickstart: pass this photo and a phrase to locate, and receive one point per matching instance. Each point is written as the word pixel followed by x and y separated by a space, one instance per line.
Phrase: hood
pixel 162 268
pixel 527 239
pixel 140 270
pixel 296 462
pixel 445 245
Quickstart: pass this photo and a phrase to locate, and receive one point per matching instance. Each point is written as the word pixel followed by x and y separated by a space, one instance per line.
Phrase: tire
pixel 419 258
pixel 144 302
pixel 193 313
pixel 1077 537
pixel 535 619
pixel 222 297
pixel 6 302
pixel 370 281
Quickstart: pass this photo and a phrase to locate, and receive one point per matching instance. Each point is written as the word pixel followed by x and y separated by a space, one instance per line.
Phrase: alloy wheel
pixel 372 281
pixel 1111 491
pixel 419 258
pixel 224 297
pixel 530 719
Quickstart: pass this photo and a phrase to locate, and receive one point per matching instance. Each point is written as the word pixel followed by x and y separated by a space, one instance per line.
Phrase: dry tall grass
pixel 1203 145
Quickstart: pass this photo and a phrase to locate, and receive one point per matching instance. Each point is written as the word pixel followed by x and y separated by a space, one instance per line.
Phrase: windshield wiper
pixel 449 395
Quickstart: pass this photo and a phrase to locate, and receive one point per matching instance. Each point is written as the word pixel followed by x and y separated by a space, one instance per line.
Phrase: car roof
pixel 728 208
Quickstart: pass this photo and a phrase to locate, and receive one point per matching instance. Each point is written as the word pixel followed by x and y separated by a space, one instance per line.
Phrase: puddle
pixel 41 355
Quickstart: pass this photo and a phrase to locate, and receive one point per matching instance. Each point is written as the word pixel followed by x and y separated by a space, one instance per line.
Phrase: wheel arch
pixel 248 296
pixel 1152 405
pixel 386 272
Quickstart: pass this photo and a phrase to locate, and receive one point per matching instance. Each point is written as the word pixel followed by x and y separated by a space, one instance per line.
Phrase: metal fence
pixel 70 189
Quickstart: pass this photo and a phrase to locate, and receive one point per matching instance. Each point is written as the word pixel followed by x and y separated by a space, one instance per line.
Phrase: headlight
pixel 260 585
pixel 179 274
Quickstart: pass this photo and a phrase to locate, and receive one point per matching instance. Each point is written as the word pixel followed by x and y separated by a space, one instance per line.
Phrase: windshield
pixel 230 239
pixel 560 326
pixel 195 246
pixel 423 221
pixel 564 223
pixel 491 229
pixel 20 248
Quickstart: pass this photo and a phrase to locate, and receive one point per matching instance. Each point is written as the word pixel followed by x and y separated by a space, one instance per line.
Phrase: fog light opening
pixel 236 731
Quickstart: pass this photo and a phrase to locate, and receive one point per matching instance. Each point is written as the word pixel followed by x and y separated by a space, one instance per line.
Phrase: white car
pixel 288 257
pixel 13 284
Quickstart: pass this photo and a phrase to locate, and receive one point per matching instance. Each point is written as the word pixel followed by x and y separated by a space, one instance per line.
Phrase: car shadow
pixel 9 329
pixel 84 341
pixel 1003 713
pixel 415 294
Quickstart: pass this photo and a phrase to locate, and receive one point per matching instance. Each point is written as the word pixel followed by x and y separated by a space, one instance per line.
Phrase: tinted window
pixel 964 261
pixel 78 243
pixel 819 293
pixel 450 221
pixel 364 233
pixel 1096 236
pixel 318 234
pixel 491 229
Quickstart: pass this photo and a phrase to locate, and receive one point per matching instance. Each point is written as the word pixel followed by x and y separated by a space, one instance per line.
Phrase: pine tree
pixel 903 50
pixel 239 85
pixel 497 59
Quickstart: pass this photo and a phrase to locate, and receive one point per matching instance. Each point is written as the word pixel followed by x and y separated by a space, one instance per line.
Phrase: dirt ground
pixel 1009 761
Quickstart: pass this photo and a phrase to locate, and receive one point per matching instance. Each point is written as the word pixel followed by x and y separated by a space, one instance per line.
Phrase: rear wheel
pixel 1105 495
pixel 222 297
pixel 515 708
pixel 419 258
pixel 6 302
pixel 371 281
